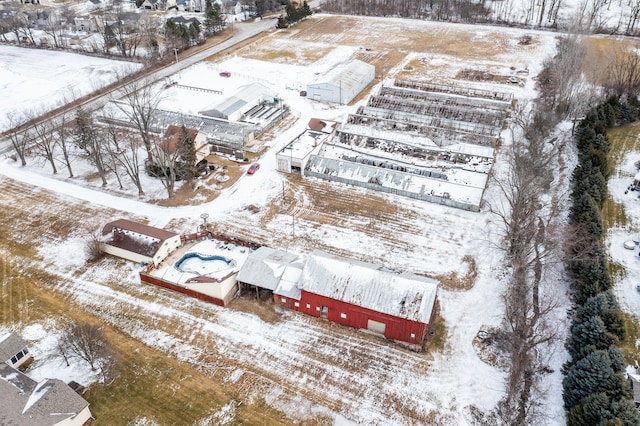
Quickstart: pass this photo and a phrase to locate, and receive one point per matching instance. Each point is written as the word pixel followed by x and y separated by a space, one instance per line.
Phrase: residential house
pixel 26 402
pixel 85 23
pixel 13 350
pixel 173 137
pixel 159 5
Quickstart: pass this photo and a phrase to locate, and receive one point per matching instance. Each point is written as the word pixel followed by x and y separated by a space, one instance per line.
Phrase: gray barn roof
pixel 26 402
pixel 10 344
pixel 265 267
pixel 369 286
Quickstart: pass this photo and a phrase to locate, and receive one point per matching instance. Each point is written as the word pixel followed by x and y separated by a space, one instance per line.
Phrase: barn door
pixel 378 327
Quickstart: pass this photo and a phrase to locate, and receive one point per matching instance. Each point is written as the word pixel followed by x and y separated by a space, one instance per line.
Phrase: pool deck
pixel 208 247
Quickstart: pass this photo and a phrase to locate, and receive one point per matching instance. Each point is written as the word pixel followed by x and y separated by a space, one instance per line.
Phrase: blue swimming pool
pixel 186 263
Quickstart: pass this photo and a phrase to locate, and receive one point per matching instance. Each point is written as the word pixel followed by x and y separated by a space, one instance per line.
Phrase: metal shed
pixel 342 83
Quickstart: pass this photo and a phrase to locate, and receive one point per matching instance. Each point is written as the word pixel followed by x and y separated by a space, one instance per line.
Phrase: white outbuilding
pixel 342 83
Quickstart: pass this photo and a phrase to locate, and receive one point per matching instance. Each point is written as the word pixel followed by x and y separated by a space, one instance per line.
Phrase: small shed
pixel 13 350
pixel 399 306
pixel 342 83
pixel 138 242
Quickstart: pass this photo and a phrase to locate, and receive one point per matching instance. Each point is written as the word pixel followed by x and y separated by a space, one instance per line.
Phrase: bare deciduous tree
pixel 89 343
pixel 88 139
pixel 64 139
pixel 20 139
pixel 123 149
pixel 46 142
pixel 140 105
pixel 527 219
pixel 623 76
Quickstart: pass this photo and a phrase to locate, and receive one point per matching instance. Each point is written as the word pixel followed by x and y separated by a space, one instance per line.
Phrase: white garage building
pixel 342 83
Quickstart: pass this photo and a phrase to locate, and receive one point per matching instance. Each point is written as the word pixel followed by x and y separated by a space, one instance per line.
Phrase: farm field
pixel 256 364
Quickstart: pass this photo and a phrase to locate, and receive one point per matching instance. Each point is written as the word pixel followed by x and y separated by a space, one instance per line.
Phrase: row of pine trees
pixel 595 388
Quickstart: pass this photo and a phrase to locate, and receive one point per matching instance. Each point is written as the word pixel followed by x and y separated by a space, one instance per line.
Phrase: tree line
pixel 293 14
pixel 535 237
pixel 596 391
pixel 588 16
pixel 110 148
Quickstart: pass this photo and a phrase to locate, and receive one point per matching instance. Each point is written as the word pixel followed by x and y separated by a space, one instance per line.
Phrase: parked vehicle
pixel 225 74
pixel 253 168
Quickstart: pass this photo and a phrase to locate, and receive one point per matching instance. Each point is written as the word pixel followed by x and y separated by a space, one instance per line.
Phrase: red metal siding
pixel 205 297
pixel 356 316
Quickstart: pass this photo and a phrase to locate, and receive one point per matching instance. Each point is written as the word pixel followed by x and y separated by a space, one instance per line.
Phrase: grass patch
pixel 629 345
pixel 166 391
pixel 453 282
pixel 613 214
pixel 437 338
pixel 622 140
pixel 616 271
pixel 263 309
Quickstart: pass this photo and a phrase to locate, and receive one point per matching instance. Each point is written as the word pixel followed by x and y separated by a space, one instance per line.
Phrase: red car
pixel 225 74
pixel 253 168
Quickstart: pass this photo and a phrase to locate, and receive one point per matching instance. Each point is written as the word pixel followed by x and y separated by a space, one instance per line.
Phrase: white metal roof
pixel 239 100
pixel 265 267
pixel 370 286
pixel 346 74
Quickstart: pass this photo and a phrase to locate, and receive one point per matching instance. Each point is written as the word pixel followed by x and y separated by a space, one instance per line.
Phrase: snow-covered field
pixel 349 375
pixel 33 81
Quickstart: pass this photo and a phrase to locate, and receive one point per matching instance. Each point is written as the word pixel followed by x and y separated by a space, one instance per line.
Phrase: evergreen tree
pixel 194 31
pixel 306 10
pixel 587 376
pixel 213 17
pixel 586 212
pixel 282 22
pixel 591 332
pixel 186 164
pixel 590 410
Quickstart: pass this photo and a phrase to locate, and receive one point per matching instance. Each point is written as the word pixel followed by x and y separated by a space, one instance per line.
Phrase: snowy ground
pixel 390 385
pixel 625 289
pixel 37 80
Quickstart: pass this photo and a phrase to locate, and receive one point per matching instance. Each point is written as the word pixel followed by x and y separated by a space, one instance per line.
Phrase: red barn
pixel 398 305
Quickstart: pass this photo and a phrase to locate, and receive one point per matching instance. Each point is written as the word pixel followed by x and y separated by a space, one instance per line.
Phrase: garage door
pixel 376 326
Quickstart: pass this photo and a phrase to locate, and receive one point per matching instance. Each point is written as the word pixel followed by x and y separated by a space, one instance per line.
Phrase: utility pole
pixel 175 50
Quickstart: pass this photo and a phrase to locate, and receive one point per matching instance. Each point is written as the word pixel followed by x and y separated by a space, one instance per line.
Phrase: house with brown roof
pixel 49 402
pixel 138 242
pixel 13 350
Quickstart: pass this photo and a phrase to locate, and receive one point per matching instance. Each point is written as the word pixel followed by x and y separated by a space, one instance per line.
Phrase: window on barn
pixel 324 311
pixel 413 335
pixel 283 300
pixel 343 315
pixel 296 304
pixel 308 306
